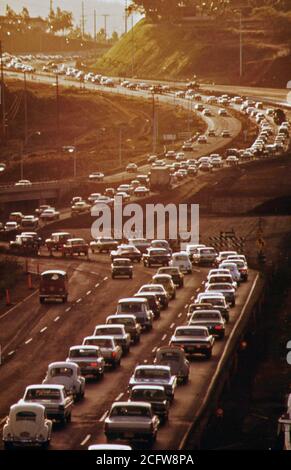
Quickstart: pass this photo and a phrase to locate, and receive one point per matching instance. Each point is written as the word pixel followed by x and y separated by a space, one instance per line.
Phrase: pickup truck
pixel 194 340
pixel 58 404
pixel 131 420
pixel 155 375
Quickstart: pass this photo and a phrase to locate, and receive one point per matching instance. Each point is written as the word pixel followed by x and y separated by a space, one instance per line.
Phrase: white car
pixel 131 168
pixel 23 183
pixel 27 425
pixel 67 374
pixel 97 176
pixel 11 226
pixel 191 249
pixel 49 214
pixel 93 196
pixel 232 267
pixel 182 261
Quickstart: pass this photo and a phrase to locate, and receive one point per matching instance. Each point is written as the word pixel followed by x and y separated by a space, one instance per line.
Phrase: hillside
pixel 173 51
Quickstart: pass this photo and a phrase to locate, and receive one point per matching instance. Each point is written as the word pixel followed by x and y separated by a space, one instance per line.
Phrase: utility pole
pixel 125 17
pixel 95 26
pixel 105 25
pixel 83 20
pixel 240 46
pixel 51 6
pixel 154 122
pixel 25 111
pixel 120 146
pixel 132 48
pixel 3 117
pixel 57 106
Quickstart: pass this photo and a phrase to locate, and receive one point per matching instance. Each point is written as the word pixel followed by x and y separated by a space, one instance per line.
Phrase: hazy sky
pixel 115 8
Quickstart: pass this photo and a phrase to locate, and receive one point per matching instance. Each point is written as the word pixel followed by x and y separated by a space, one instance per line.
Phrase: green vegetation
pixel 208 49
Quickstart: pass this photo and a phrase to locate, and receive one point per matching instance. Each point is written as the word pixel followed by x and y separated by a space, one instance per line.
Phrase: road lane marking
pixel 180 314
pixel 86 440
pixel 3 420
pixel 145 361
pixel 198 289
pixel 56 319
pixel 192 298
pixel 186 306
pixel 79 300
pixel 68 309
pixel 164 337
pixel 119 396
pixel 43 329
pixel 18 305
pixel 197 270
pixel 103 417
pixel 105 278
pixel 97 285
pixel 154 349
pixel 172 326
pixel 28 341
pixel 89 292
pixel 10 353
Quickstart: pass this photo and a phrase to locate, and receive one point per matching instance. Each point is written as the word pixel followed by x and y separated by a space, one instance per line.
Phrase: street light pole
pixel 25 110
pixel 240 46
pixel 3 123
pixel 120 147
pixel 154 123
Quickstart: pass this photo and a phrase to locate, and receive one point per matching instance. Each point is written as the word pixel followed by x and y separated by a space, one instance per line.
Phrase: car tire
pixel 8 445
pixel 41 300
pixel 131 276
pixel 112 276
pixel 69 418
pixel 136 339
pixel 185 379
pixel 45 445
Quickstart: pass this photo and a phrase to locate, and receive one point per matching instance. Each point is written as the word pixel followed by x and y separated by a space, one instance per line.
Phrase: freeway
pixel 48 331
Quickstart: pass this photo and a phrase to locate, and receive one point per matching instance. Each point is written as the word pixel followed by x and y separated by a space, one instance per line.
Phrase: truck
pixel 160 178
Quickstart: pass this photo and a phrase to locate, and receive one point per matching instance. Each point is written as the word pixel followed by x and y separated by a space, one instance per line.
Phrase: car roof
pixel 149 387
pixel 152 366
pixel 27 406
pixel 122 315
pixel 143 404
pixel 54 271
pixel 43 386
pixel 133 299
pixel 85 346
pixel 72 365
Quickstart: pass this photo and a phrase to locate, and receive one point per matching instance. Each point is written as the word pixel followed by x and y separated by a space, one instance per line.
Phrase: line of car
pixel 151 387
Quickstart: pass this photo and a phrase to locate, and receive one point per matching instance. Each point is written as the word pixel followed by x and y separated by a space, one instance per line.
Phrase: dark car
pixel 153 301
pixel 212 319
pixel 126 251
pixel 175 273
pixel 155 395
pixel 121 267
pixel 157 257
pixel 131 326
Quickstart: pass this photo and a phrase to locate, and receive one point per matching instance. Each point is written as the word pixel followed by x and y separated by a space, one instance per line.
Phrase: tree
pixel 61 20
pixel 114 37
pixel 101 36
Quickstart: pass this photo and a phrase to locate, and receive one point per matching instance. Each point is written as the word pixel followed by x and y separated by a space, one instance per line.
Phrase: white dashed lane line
pixel 89 292
pixel 164 337
pixel 56 319
pixel 119 396
pixel 172 326
pixel 85 440
pixel 43 329
pixel 186 306
pixel 97 285
pixel 154 349
pixel 28 341
pixel 10 353
pixel 180 314
pixel 68 309
pixel 105 278
pixel 79 300
pixel 103 417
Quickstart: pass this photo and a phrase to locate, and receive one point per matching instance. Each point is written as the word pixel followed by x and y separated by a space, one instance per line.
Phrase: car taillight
pixel 93 364
pixel 113 354
pixel 218 327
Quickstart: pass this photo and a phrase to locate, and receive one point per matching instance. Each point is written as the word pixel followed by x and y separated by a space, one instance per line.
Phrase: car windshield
pixel 102 343
pixel 134 307
pixel 215 279
pixel 121 263
pixel 214 301
pixel 151 374
pixel 124 321
pixel 148 395
pixel 62 371
pixel 180 258
pixel 157 252
pixel 77 242
pixel 43 394
pixel 190 332
pixel 155 288
pixel 108 331
pixel 220 287
pixel 207 251
pixel 206 316
pixel 52 277
pixel 170 356
pixel 75 353
pixel 134 411
pixel 25 416
pixel 127 249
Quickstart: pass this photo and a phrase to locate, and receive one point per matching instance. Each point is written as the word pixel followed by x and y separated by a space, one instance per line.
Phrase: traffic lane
pixel 99 397
pixel 188 397
pixel 30 361
pixel 14 322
